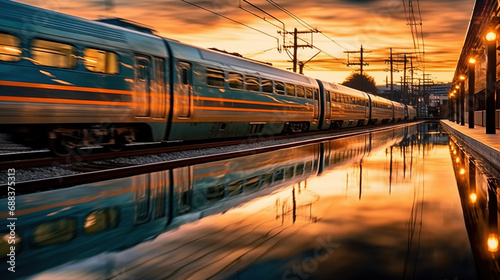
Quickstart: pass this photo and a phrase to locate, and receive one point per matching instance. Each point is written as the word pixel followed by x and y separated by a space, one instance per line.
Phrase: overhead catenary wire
pixel 228 18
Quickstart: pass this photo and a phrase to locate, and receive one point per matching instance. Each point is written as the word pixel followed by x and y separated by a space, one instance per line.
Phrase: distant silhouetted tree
pixel 361 82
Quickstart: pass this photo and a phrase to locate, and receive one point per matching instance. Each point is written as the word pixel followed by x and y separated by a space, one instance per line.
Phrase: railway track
pixel 98 166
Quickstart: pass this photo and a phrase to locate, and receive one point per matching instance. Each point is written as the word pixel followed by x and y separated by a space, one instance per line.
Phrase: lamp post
pixel 462 100
pixel 457 103
pixel 491 43
pixel 470 99
pixel 451 106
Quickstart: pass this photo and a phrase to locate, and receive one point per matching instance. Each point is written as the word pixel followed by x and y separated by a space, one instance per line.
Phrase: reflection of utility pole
pixel 360 177
pixel 295 46
pixel 361 61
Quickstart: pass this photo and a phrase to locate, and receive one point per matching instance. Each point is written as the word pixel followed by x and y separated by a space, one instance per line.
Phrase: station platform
pixel 487 145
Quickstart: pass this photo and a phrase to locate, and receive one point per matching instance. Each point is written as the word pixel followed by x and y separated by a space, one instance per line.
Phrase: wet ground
pixel 385 205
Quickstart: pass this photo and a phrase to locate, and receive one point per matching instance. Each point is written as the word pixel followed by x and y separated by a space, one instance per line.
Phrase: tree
pixel 361 82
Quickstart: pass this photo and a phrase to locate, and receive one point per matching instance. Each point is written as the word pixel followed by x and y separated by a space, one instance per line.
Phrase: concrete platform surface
pixel 487 145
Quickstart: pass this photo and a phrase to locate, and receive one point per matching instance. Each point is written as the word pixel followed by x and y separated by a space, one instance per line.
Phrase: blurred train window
pixel 215 77
pixel 10 48
pixel 289 172
pixel 100 61
pixel 267 86
pixel 309 93
pixel 101 220
pixel 235 80
pixel 252 83
pixel 48 53
pixel 252 184
pixel 290 89
pixel 300 169
pixel 279 87
pixel 55 232
pixel 300 91
pixel 308 166
pixel 316 94
pixel 234 188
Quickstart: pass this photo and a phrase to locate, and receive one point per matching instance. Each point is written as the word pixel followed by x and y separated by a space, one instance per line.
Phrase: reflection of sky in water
pixel 392 213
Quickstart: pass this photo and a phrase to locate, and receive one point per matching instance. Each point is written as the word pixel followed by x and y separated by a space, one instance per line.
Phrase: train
pixel 69 225
pixel 68 82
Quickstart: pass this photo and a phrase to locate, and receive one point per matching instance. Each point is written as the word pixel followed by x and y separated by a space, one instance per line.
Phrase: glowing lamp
pixel 462 171
pixel 473 197
pixel 462 77
pixel 491 36
pixel 492 242
pixel 472 60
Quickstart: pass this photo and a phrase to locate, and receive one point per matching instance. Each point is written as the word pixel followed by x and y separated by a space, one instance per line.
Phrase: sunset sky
pixel 345 25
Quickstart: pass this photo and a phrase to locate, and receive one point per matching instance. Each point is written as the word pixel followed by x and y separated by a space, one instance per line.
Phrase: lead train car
pixel 68 82
pixel 79 82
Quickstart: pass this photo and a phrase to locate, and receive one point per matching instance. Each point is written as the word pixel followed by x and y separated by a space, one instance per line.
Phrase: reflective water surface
pixel 383 205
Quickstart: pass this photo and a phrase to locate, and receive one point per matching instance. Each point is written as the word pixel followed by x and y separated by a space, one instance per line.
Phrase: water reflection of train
pixel 479 189
pixel 106 216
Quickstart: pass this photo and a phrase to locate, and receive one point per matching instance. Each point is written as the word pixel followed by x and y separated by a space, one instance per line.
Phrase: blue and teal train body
pixel 67 82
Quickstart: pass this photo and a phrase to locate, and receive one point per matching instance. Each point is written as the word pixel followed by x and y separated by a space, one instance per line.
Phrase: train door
pixel 184 90
pixel 141 98
pixel 316 104
pixel 328 105
pixel 183 182
pixel 158 98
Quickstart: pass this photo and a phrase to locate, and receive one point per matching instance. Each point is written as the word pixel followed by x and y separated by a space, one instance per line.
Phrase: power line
pixel 223 16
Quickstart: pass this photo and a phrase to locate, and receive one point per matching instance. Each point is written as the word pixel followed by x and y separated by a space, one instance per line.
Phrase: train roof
pixel 344 89
pixel 34 21
pixel 188 52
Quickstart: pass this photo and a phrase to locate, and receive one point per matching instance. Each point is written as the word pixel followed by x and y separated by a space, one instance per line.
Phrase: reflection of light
pixel 12 49
pixel 472 60
pixel 473 197
pixel 462 171
pixel 492 242
pixel 462 77
pixel 454 152
pixel 457 160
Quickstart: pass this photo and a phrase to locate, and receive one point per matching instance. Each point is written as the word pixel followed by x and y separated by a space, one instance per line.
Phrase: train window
pixel 300 91
pixel 54 54
pixel 267 86
pixel 328 97
pixel 55 232
pixel 235 80
pixel 101 220
pixel 100 61
pixel 252 83
pixel 309 93
pixel 290 89
pixel 279 87
pixel 316 94
pixel 10 49
pixel 215 77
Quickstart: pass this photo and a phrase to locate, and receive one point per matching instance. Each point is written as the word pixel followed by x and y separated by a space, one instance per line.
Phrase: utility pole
pixel 295 46
pixel 361 61
pixel 391 62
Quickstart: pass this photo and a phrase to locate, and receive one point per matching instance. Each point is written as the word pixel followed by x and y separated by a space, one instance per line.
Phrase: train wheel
pixel 61 147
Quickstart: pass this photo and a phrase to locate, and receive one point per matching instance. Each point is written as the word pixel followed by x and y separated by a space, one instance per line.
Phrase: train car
pixel 347 107
pixel 70 82
pixel 398 111
pixel 381 110
pixel 411 113
pixel 217 95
